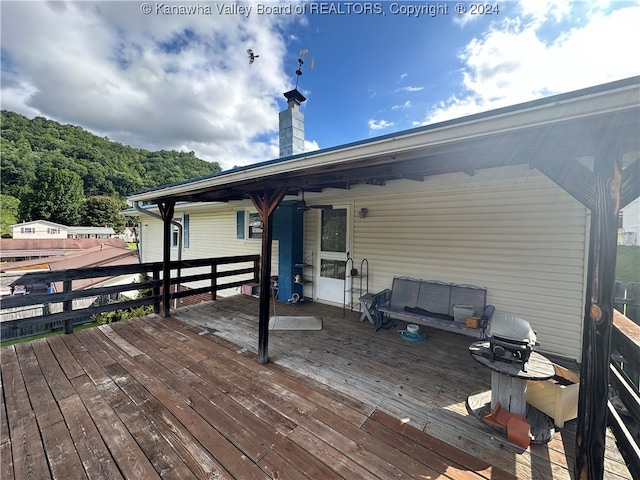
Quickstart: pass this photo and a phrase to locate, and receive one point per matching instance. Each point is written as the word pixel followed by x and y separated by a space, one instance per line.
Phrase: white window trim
pixel 247 217
pixel 175 232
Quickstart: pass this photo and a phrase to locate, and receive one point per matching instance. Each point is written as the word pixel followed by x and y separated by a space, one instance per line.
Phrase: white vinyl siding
pixel 524 240
pixel 212 234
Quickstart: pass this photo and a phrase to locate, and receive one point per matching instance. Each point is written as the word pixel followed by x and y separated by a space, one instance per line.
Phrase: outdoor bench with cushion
pixel 432 303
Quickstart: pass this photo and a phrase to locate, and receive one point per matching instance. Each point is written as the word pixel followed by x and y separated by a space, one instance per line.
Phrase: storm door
pixel 334 241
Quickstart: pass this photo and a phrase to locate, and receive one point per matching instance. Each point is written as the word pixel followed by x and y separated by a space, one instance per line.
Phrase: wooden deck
pixel 185 398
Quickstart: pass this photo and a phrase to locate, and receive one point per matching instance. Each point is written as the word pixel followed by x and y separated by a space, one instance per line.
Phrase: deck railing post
pixel 67 306
pixel 214 280
pixel 256 270
pixel 155 276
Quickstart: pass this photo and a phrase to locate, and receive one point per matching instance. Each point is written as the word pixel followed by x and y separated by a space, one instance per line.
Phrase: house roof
pixel 542 133
pixel 40 222
pixel 95 256
pixel 20 246
pixel 72 229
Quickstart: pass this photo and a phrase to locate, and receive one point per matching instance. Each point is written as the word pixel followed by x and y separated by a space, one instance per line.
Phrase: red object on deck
pixel 517 428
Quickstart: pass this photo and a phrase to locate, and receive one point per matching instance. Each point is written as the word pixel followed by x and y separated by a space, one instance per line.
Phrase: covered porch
pixel 183 397
pixel 585 142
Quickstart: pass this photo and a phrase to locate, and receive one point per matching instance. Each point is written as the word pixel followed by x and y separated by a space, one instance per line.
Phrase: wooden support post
pixel 598 321
pixel 67 306
pixel 265 202
pixel 166 211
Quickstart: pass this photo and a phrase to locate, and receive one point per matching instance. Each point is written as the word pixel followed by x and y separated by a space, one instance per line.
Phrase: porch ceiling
pixel 542 133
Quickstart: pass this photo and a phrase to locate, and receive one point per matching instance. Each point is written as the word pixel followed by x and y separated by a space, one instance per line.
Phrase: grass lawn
pixel 45 335
pixel 628 264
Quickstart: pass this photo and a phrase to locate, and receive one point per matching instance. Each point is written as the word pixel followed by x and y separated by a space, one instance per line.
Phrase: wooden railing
pixel 624 404
pixel 58 307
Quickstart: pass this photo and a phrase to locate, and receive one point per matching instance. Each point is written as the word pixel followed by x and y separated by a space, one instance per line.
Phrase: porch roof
pixel 543 133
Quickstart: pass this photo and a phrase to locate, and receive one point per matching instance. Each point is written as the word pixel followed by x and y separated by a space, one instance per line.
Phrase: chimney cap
pixel 295 95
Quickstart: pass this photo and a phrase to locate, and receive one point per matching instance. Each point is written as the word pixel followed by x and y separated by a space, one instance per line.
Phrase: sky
pixel 176 75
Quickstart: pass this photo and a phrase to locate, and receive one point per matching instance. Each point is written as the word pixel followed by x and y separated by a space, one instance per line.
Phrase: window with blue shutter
pixel 240 224
pixel 185 233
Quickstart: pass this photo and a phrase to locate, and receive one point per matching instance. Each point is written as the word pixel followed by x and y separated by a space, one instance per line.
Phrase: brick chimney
pixel 292 125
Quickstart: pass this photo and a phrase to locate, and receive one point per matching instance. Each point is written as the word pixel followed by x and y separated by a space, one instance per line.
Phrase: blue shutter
pixel 185 233
pixel 240 224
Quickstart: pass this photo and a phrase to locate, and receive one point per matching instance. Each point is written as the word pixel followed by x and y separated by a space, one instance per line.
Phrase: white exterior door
pixel 333 248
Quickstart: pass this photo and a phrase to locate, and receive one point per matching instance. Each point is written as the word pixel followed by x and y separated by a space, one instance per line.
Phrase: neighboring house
pixel 41 229
pixel 130 234
pixel 630 234
pixel 468 201
pixel 90 232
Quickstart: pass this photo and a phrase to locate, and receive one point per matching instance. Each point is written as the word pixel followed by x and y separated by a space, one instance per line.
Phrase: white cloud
pixel 406 104
pixel 412 89
pixel 311 146
pixel 542 10
pixel 151 81
pixel 519 60
pixel 379 124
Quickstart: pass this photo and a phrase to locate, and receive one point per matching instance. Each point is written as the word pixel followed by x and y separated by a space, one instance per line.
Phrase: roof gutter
pixel 136 205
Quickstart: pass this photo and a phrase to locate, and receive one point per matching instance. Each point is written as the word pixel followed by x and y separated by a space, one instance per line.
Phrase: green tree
pixel 106 167
pixel 8 214
pixel 103 211
pixel 56 195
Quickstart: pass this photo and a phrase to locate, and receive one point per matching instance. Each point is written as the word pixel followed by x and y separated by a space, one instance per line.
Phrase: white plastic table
pixel 368 308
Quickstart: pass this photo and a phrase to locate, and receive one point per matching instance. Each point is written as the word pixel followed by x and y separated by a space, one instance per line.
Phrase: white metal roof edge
pixel 45 222
pixel 539 112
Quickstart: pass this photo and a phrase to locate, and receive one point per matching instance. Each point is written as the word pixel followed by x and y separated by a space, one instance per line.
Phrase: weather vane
pixel 303 54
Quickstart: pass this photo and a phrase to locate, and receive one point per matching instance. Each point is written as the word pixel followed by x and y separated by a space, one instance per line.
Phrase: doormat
pixel 295 323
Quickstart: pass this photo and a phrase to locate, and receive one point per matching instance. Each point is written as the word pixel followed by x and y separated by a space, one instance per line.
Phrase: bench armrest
pixel 383 297
pixel 487 313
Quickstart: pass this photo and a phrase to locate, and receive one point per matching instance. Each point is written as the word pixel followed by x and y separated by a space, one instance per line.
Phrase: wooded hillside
pixel 105 167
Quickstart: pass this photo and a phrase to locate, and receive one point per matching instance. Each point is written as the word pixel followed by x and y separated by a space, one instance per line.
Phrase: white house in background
pixel 631 224
pixel 39 229
pixel 45 229
pixel 469 205
pixel 90 232
pixel 130 234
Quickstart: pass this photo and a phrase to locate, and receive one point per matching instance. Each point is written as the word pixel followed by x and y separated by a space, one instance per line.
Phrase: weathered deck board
pixel 426 383
pixel 27 451
pixel 163 398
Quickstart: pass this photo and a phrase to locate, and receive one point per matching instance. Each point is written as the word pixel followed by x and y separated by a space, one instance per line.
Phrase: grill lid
pixel 511 328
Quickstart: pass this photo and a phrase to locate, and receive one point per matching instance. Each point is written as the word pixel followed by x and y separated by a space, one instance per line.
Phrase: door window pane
pixel 333 269
pixel 334 230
